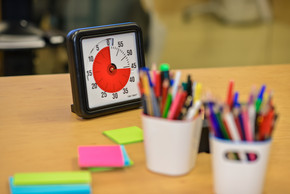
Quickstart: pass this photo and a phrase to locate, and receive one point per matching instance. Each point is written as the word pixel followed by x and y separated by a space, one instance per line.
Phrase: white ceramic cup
pixel 171 146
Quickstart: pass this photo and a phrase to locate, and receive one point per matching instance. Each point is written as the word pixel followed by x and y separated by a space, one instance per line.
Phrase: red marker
pixel 230 94
pixel 266 125
pixel 157 88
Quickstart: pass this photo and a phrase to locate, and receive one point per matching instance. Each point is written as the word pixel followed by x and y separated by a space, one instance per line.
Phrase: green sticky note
pixel 125 135
pixel 102 169
pixel 48 178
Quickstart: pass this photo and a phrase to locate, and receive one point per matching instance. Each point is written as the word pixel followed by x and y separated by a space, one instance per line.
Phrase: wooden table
pixel 38 132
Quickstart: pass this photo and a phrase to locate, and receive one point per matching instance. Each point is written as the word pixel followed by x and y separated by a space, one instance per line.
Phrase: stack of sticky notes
pixel 51 183
pixel 103 157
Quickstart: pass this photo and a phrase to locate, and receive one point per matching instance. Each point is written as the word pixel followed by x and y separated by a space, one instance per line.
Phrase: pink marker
pixel 174 105
pixel 248 131
pixel 247 125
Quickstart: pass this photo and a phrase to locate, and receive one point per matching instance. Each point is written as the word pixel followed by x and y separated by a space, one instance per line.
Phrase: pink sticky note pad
pixel 101 156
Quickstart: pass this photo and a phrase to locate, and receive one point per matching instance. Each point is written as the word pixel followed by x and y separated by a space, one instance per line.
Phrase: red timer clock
pixel 104 67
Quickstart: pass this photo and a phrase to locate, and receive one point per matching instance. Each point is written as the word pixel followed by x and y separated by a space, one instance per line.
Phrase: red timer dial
pixel 107 75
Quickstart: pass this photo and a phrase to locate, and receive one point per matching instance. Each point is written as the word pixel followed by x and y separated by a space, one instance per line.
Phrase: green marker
pixel 184 86
pixel 258 104
pixel 164 67
pixel 167 104
pixel 223 128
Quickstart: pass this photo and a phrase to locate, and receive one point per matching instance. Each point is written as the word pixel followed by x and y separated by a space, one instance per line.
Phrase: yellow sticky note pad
pixel 125 135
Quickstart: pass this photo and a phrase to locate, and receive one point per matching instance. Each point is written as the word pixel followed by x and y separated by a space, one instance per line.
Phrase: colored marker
pixel 154 72
pixel 247 125
pixel 164 68
pixel 221 125
pixel 266 125
pixel 229 119
pixel 215 122
pixel 165 86
pixel 174 105
pixel 236 99
pixel 175 84
pixel 147 95
pixel 260 98
pixel 230 94
pixel 157 86
pixel 189 86
pixel 180 105
pixel 167 104
pixel 197 92
pixel 193 110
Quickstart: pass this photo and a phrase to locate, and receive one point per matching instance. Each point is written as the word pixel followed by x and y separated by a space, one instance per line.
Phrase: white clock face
pixel 111 69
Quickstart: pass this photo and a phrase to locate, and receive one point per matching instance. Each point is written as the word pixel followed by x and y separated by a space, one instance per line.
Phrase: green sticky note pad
pixel 48 178
pixel 125 135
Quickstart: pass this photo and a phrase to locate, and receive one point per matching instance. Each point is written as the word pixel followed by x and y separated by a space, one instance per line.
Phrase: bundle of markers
pixel 251 121
pixel 163 94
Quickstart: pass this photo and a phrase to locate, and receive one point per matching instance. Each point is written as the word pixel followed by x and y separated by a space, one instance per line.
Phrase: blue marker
pixel 261 94
pixel 146 69
pixel 236 99
pixel 215 122
pixel 260 98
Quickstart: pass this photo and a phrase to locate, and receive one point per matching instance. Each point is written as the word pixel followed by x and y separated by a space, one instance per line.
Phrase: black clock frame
pixel 77 72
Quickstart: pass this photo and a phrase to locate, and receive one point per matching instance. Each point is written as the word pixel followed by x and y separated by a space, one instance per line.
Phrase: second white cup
pixel 239 173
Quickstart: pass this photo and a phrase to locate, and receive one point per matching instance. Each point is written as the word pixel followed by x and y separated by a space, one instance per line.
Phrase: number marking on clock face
pixel 111 69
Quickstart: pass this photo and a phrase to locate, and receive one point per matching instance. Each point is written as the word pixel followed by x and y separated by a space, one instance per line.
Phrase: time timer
pixel 104 64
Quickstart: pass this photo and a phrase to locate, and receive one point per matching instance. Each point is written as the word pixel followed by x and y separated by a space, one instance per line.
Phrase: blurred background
pixel 184 33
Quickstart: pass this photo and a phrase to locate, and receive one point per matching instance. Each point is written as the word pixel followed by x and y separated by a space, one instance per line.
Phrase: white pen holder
pixel 239 167
pixel 171 146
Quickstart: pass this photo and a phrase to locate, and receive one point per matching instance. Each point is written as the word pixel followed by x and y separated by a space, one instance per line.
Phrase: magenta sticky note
pixel 101 156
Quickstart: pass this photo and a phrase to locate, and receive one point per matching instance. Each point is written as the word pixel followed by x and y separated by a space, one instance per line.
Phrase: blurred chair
pixel 233 11
pixel 157 33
